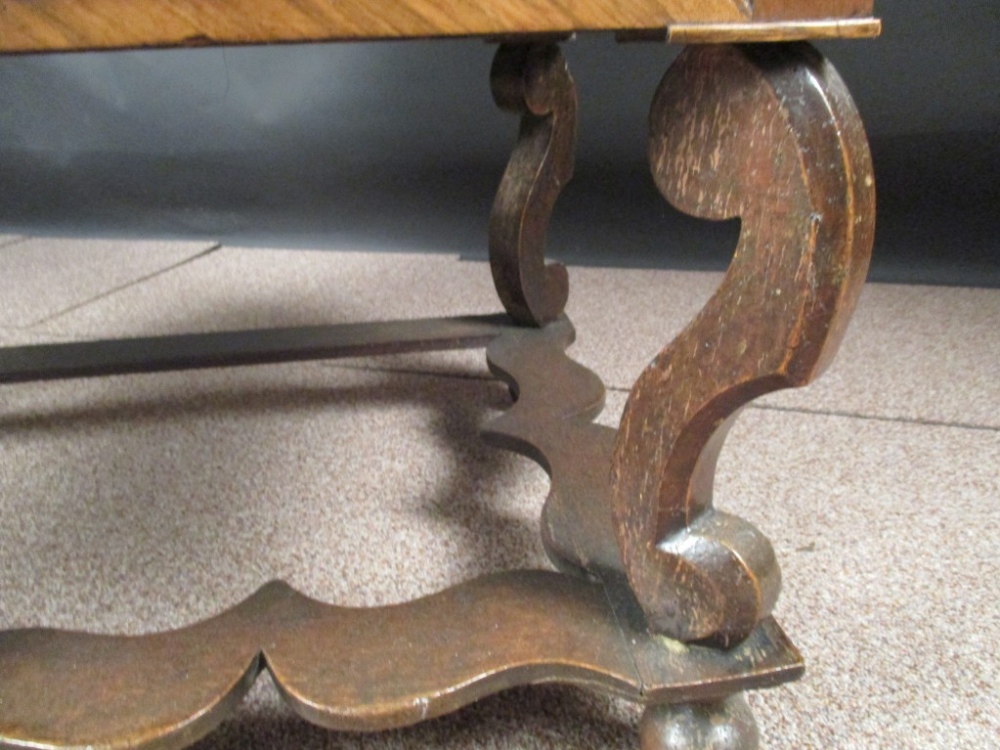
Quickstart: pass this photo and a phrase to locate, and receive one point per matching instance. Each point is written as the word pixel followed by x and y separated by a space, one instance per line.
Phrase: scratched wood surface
pixel 768 134
pixel 49 25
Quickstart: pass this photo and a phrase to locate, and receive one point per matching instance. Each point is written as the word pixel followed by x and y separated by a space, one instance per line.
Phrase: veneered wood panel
pixel 790 10
pixel 50 25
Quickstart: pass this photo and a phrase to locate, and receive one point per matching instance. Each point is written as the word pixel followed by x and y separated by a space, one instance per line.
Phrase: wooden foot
pixel 717 725
pixel 532 80
pixel 768 134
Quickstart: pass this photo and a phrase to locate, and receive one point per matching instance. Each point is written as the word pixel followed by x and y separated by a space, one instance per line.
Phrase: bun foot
pixel 720 725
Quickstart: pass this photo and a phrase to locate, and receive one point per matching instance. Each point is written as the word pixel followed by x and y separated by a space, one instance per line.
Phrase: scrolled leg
pixel 716 725
pixel 532 80
pixel 769 134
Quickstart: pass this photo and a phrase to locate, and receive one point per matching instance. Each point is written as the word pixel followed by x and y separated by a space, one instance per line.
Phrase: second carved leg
pixel 531 79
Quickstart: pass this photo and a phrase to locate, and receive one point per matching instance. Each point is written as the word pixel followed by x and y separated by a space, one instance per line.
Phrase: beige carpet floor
pixel 138 503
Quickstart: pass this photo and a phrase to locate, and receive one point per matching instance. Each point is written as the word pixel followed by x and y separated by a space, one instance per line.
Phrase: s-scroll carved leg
pixel 532 79
pixel 768 134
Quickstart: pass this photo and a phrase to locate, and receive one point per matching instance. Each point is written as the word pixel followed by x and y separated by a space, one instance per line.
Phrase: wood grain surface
pixel 49 25
pixel 355 669
pixel 533 81
pixel 769 134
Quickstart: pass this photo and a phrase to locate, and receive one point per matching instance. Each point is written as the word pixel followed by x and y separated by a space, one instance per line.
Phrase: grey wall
pixel 399 144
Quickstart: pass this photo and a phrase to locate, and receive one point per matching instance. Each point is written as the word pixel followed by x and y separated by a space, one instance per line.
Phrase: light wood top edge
pixel 722 33
pixel 76 25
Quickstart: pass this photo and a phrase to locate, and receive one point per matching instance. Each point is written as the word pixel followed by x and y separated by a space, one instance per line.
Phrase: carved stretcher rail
pixel 355 669
pixel 367 669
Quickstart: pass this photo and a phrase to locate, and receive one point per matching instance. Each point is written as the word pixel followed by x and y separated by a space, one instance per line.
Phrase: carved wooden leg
pixel 769 134
pixel 532 79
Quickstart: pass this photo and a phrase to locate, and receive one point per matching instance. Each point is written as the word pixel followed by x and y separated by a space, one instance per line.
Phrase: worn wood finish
pixel 768 134
pixel 351 669
pixel 532 80
pixel 48 25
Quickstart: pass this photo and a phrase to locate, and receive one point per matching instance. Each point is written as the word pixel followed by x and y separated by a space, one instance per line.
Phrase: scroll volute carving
pixel 768 134
pixel 532 79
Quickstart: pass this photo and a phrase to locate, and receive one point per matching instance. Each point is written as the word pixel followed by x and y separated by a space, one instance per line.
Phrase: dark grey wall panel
pixel 399 144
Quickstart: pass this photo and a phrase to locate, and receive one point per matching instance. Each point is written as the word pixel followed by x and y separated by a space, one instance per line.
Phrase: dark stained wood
pixel 551 423
pixel 656 669
pixel 768 134
pixel 350 669
pixel 49 25
pixel 232 348
pixel 532 80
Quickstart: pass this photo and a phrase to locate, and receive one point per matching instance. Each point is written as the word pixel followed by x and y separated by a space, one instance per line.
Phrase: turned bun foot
pixel 721 725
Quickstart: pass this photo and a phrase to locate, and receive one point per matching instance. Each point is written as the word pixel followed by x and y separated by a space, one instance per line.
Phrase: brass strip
pixel 782 31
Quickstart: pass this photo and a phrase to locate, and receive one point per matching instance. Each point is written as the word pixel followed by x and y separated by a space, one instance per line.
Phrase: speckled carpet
pixel 139 503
